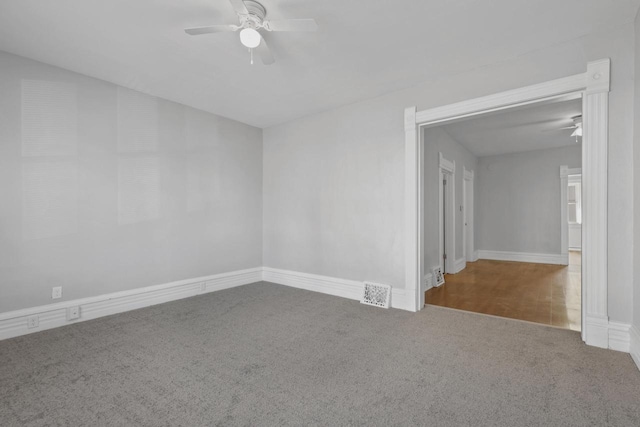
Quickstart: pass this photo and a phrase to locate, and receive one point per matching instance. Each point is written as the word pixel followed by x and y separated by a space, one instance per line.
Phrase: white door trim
pixel 448 170
pixel 564 219
pixel 593 85
pixel 467 216
pixel 565 171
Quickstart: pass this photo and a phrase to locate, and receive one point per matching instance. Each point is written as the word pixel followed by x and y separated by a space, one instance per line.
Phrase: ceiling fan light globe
pixel 250 38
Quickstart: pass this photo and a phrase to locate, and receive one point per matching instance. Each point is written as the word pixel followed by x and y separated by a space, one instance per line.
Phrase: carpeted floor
pixel 265 354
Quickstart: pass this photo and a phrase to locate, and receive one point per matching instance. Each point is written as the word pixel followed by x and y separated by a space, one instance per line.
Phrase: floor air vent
pixel 438 277
pixel 376 294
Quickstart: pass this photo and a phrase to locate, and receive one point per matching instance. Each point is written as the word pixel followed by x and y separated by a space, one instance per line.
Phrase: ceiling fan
pixel 252 19
pixel 576 126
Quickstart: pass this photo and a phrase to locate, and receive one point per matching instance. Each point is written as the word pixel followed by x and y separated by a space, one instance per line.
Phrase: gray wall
pixel 105 189
pixel 334 181
pixel 437 140
pixel 518 200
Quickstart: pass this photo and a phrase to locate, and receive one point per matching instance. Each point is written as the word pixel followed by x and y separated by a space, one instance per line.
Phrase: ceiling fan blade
pixel 210 29
pixel 292 25
pixel 265 53
pixel 239 7
pixel 559 129
pixel 535 123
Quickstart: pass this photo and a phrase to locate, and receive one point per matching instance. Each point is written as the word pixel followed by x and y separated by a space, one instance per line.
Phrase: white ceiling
pixel 363 48
pixel 530 128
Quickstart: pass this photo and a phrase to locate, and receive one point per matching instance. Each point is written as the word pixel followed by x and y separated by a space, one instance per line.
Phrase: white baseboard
pixel 619 336
pixel 345 288
pixel 427 282
pixel 524 257
pixel 14 323
pixel 634 347
pixel 459 265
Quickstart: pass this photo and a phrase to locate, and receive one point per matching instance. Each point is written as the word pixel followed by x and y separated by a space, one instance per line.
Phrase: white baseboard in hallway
pixel 345 288
pixel 16 323
pixel 524 257
pixel 459 265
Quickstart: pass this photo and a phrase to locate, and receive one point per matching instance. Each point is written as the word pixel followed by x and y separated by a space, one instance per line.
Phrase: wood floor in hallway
pixel 541 293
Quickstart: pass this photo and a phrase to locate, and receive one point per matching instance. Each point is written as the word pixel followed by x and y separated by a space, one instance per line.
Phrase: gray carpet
pixel 265 354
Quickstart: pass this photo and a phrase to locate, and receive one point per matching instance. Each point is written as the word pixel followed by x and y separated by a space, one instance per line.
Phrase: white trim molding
pixel 619 336
pixel 634 344
pixel 447 194
pixel 595 143
pixel 565 174
pixel 427 282
pixel 447 165
pixel 345 288
pixel 468 174
pixel 460 264
pixel 564 221
pixel 558 259
pixel 593 87
pixel 468 220
pixel 15 323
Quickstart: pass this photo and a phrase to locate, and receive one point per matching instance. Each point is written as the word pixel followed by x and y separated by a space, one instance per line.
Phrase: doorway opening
pixel 518 265
pixel 593 87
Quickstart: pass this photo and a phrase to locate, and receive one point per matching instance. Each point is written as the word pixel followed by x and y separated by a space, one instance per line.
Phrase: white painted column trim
pixel 595 114
pixel 413 212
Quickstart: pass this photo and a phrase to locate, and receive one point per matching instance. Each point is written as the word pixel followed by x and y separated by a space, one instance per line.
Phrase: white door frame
pixel 448 170
pixel 468 247
pixel 564 220
pixel 593 86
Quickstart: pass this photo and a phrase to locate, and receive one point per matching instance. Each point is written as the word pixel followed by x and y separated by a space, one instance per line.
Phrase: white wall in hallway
pixel 518 200
pixel 105 189
pixel 437 140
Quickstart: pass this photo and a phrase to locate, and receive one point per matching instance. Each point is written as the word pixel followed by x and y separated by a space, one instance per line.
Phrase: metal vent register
pixel 376 294
pixel 438 277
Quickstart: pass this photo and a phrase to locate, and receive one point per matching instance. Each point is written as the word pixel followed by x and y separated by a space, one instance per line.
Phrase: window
pixel 574 198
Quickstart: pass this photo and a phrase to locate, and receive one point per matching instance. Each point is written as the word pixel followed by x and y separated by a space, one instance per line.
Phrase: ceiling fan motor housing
pixel 256 16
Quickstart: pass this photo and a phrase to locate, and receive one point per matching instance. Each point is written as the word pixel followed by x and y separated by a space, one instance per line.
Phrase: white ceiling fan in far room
pixel 252 19
pixel 577 127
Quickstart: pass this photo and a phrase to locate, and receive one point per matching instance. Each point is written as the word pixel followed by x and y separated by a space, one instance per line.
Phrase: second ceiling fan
pixel 252 19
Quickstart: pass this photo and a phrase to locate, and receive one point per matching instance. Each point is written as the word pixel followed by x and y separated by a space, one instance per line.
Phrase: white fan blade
pixel 239 7
pixel 211 29
pixel 558 129
pixel 292 25
pixel 265 53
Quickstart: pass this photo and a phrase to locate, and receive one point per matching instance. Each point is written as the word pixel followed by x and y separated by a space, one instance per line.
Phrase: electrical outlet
pixel 33 322
pixel 73 313
pixel 56 292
